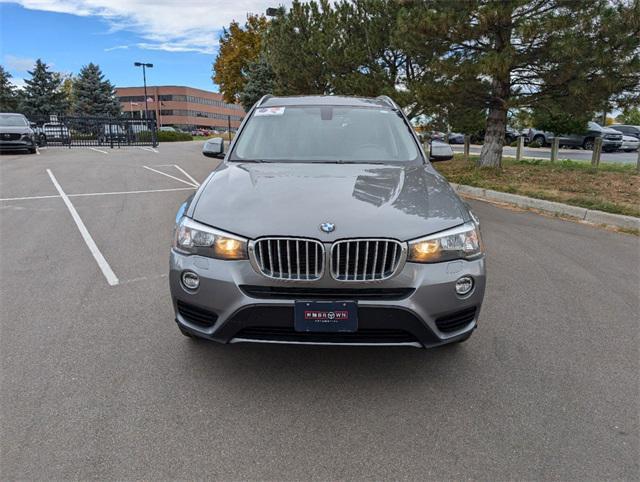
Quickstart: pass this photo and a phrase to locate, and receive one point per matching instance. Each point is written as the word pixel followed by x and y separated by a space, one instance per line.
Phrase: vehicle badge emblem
pixel 328 227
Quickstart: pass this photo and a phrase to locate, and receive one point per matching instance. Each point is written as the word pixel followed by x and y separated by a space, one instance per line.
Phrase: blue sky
pixel 178 36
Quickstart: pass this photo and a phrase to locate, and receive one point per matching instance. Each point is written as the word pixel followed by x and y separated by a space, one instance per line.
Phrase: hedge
pixel 166 136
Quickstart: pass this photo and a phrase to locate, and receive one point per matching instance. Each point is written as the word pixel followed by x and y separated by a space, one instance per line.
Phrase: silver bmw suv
pixel 326 224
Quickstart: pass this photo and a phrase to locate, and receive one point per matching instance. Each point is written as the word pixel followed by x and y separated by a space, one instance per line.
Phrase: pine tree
pixel 564 60
pixel 42 94
pixel 258 82
pixel 8 95
pixel 93 95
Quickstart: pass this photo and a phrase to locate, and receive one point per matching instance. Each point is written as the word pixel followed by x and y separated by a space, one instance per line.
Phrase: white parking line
pixel 186 174
pixel 28 198
pixel 108 273
pixel 98 150
pixel 150 149
pixel 114 193
pixel 131 192
pixel 169 175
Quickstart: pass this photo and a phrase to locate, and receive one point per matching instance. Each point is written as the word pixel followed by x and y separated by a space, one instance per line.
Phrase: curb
pixel 588 215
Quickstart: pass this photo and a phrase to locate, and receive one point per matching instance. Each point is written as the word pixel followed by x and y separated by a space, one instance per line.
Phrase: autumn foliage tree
pixel 240 46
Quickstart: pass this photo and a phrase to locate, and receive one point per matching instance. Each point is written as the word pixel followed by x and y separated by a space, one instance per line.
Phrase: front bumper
pixel 418 307
pixel 19 145
pixel 611 145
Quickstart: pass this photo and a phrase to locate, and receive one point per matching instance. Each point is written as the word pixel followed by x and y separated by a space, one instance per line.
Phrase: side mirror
pixel 440 151
pixel 33 124
pixel 214 148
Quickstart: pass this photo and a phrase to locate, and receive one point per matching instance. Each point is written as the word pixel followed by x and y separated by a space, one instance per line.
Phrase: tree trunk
pixel 491 154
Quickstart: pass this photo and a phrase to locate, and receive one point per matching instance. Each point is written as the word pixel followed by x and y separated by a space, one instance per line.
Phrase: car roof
pixel 12 113
pixel 334 100
pixel 624 125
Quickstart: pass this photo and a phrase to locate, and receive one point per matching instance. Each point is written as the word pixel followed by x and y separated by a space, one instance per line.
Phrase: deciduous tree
pixel 240 45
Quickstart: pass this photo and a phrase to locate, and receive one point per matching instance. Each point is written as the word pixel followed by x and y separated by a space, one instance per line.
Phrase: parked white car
pixel 53 132
pixel 629 144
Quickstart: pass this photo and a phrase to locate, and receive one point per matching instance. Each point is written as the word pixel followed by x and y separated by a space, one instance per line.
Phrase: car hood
pixel 361 200
pixel 15 130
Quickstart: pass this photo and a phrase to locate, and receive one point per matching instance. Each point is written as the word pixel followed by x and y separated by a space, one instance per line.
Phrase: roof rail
pixel 388 100
pixel 264 98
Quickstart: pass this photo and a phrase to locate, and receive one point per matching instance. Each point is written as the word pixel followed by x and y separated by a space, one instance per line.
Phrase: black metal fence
pixel 70 131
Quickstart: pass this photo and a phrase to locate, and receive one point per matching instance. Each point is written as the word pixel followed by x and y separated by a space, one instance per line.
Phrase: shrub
pixel 166 136
pixel 535 144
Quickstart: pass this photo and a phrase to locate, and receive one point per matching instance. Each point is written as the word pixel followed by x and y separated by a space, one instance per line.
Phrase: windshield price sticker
pixel 265 111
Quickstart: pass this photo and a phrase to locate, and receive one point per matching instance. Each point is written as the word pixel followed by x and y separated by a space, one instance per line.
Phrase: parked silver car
pixel 629 143
pixel 326 224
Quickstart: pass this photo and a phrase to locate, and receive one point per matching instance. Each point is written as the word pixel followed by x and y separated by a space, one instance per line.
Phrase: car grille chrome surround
pixel 367 259
pixel 289 259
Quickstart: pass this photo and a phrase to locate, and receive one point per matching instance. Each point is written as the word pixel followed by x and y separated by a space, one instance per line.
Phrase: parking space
pixel 122 199
pixel 97 382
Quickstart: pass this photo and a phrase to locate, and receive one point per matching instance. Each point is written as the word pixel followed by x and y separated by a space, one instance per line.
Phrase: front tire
pixel 540 140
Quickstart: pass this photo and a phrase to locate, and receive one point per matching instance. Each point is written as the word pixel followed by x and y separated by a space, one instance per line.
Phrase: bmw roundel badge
pixel 328 227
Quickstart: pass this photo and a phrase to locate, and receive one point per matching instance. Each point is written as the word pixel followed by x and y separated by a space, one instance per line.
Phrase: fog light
pixel 190 280
pixel 464 285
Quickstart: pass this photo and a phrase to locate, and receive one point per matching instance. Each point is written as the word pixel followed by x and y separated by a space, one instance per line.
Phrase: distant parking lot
pixel 97 382
pixel 572 154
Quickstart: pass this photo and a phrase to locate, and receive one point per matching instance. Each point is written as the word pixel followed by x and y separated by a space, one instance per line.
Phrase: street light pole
pixel 144 79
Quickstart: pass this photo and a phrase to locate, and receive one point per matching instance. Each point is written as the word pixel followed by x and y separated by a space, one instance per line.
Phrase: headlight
pixel 462 242
pixel 195 238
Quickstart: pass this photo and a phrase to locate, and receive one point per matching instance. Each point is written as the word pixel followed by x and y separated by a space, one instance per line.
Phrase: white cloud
pixel 18 64
pixel 18 82
pixel 117 47
pixel 173 25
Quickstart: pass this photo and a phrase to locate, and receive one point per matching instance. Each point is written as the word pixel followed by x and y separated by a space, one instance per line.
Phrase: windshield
pixel 326 134
pixel 13 121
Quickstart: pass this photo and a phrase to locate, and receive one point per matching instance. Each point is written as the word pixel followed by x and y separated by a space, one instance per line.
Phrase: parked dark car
pixel 627 130
pixel 511 135
pixel 456 138
pixel 611 138
pixel 16 133
pixel 327 224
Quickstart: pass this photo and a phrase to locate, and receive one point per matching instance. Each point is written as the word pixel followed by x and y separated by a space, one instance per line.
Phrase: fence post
pixel 110 134
pixel 154 136
pixel 520 148
pixel 638 163
pixel 555 145
pixel 467 144
pixel 597 150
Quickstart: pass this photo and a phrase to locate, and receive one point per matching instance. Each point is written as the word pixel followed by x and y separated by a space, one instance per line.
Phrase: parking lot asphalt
pixel 571 154
pixel 97 382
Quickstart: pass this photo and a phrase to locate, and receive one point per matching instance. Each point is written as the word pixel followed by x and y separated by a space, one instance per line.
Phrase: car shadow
pixel 294 367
